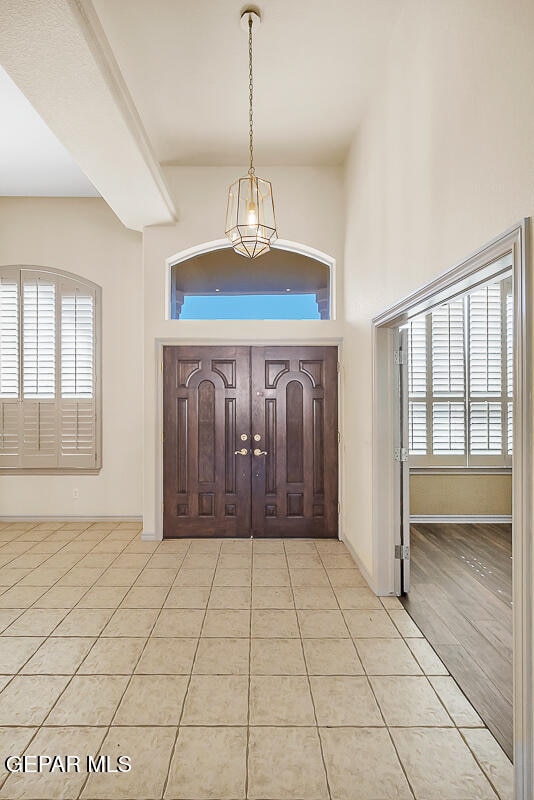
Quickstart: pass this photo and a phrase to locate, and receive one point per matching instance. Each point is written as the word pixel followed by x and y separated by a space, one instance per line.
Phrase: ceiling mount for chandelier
pixel 250 218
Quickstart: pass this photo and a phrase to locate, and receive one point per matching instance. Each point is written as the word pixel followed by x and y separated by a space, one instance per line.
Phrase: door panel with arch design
pixel 250 441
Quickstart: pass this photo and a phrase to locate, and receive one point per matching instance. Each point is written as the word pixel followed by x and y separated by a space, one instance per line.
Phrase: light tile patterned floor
pixel 225 670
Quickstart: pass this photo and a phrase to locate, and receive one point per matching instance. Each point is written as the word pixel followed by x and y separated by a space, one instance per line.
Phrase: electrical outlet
pixel 76 493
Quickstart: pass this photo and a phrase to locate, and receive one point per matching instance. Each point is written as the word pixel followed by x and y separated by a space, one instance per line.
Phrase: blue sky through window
pixel 250 306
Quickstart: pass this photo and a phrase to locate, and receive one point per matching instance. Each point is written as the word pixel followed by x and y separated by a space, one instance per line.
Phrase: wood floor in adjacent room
pixel 461 598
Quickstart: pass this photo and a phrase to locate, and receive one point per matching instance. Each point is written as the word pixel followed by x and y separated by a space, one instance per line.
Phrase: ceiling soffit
pixel 58 58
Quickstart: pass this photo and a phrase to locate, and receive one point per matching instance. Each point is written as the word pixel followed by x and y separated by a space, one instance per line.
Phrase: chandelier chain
pixel 250 94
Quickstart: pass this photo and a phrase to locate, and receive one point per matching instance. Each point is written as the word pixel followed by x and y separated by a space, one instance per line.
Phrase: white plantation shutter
pixel 509 368
pixel 417 386
pixel 448 382
pixel 48 412
pixel 77 343
pixel 448 363
pixel 78 433
pixel 417 427
pixel 485 428
pixel 78 429
pixel 9 368
pixel 39 434
pixel 460 372
pixel 448 429
pixel 417 374
pixel 9 433
pixel 9 336
pixel 38 337
pixel 510 429
pixel 487 373
pixel 485 341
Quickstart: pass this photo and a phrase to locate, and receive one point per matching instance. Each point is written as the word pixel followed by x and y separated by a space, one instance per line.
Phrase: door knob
pixel 258 452
pixel 242 452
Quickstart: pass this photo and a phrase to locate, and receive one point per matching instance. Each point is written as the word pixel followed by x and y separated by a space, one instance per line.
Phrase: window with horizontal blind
pixel 48 370
pixel 460 360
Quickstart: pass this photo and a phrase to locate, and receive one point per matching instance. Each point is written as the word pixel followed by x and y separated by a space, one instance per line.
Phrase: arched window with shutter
pixel 49 386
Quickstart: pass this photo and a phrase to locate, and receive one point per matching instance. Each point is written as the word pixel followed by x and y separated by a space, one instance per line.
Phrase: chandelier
pixel 250 219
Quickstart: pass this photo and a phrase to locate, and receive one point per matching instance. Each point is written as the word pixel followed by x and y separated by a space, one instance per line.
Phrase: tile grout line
pixel 47 588
pixel 18 673
pixel 55 583
pixel 333 590
pixel 49 635
pixel 128 543
pixel 371 688
pixel 478 762
pixel 173 748
pixel 323 759
pixel 128 682
pixel 390 735
pixel 247 749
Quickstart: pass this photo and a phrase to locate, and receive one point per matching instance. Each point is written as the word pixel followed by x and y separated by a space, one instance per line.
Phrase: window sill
pixel 440 470
pixel 49 471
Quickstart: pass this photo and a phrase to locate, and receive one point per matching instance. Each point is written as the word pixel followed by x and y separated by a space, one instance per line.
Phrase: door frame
pixel 160 343
pixel 483 265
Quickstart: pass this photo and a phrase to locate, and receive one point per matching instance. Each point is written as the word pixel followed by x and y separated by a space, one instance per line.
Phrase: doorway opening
pixel 460 443
pixel 391 525
pixel 250 441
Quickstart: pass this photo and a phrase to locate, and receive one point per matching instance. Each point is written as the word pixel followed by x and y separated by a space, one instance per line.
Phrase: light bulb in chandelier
pixel 252 214
pixel 250 218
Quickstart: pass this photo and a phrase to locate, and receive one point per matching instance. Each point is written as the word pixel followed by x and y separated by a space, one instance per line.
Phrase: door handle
pixel 242 452
pixel 258 452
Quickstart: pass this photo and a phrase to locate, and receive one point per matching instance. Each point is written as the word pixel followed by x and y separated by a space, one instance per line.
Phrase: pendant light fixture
pixel 250 219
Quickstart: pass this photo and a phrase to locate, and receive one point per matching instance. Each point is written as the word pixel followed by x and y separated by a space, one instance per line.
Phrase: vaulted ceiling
pixel 129 86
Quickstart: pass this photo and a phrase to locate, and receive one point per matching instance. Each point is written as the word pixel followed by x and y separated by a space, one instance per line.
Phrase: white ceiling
pixel 129 86
pixel 33 162
pixel 185 63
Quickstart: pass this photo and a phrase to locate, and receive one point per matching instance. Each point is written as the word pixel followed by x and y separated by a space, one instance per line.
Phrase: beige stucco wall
pixel 443 162
pixel 461 494
pixel 83 236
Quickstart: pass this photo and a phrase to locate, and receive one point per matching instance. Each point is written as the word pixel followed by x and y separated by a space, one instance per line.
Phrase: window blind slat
pixel 486 428
pixel 417 428
pixel 39 433
pixel 448 428
pixel 485 341
pixel 39 338
pixel 9 433
pixel 448 363
pixel 78 433
pixel 9 337
pixel 510 428
pixel 77 345
pixel 417 357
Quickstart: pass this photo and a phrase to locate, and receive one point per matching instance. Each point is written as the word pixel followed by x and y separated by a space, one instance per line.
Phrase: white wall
pixel 443 162
pixel 309 209
pixel 83 236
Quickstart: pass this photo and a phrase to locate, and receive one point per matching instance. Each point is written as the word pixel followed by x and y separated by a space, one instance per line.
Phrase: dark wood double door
pixel 250 442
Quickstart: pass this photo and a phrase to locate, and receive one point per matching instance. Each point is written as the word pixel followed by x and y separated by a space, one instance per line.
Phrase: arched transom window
pixel 223 285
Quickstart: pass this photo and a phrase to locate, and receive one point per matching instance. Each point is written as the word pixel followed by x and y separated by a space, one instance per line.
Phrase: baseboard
pixel 363 569
pixel 148 536
pixel 461 518
pixel 67 518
